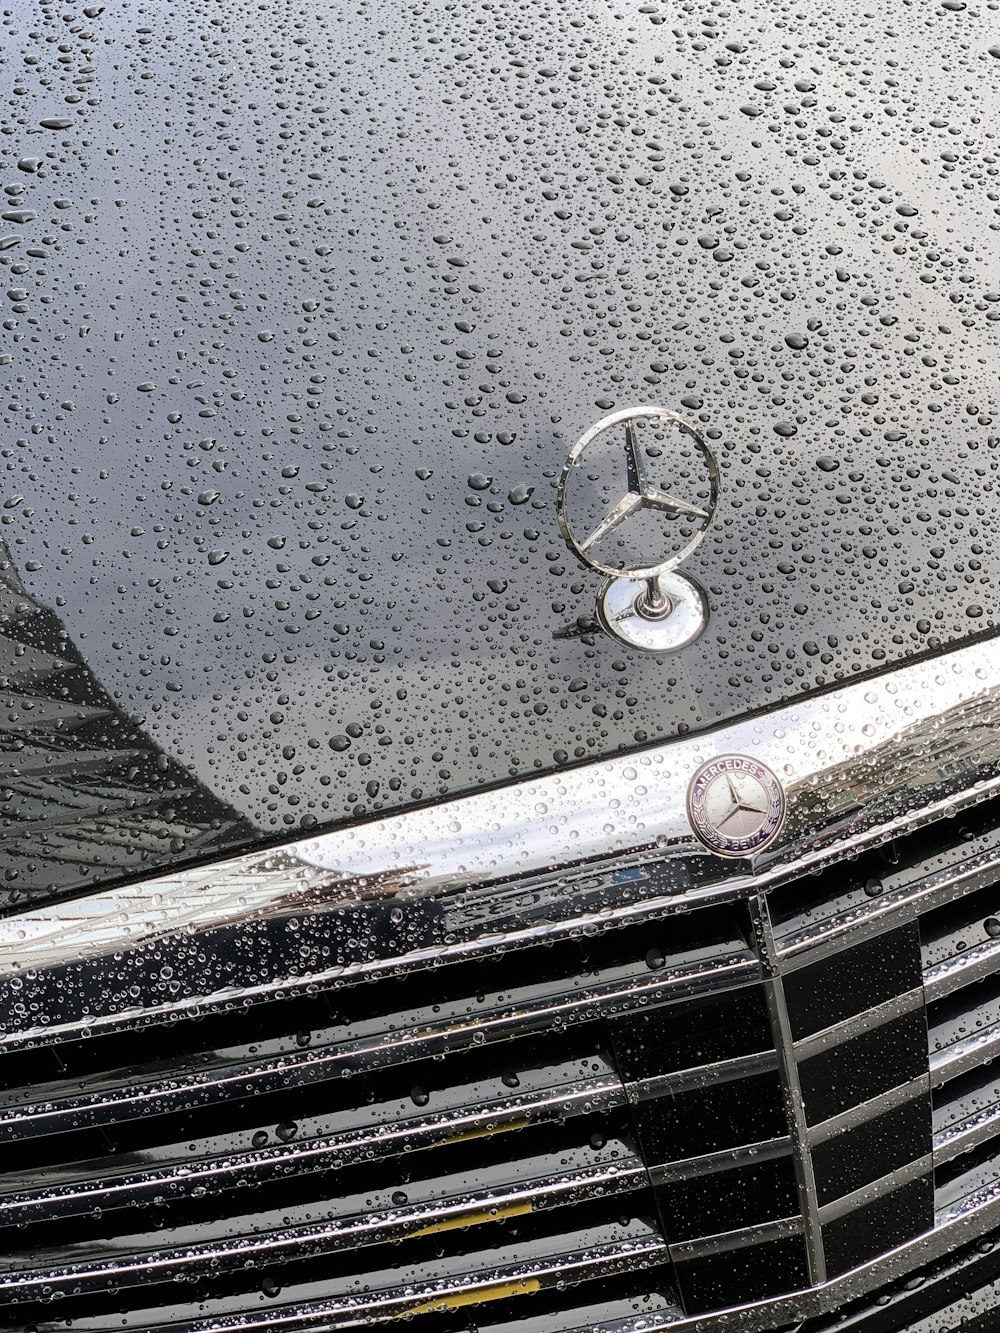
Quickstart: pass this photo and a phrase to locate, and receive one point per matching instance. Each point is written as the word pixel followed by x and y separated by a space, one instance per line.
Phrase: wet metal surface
pixel 304 312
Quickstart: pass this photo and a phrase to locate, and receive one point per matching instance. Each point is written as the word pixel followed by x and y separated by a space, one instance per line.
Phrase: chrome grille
pixel 729 1106
pixel 635 1089
pixel 483 1134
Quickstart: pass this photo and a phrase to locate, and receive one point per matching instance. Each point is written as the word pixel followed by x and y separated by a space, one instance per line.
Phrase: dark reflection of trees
pixel 928 759
pixel 85 795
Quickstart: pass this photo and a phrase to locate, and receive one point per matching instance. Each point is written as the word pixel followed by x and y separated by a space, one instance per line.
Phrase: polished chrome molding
pixel 849 1028
pixel 390 1039
pixel 919 1169
pixel 966 1053
pixel 788 1072
pixel 531 1186
pixel 702 1076
pixel 742 1238
pixel 691 1168
pixel 962 969
pixel 573 851
pixel 469 1112
pixel 856 1116
pixel 966 1135
pixel 514 1272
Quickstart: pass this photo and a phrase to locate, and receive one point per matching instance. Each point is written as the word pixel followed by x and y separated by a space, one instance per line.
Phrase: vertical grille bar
pixel 805 1176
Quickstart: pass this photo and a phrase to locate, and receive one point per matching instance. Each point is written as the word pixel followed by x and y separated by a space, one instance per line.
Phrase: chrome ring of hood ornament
pixel 648 606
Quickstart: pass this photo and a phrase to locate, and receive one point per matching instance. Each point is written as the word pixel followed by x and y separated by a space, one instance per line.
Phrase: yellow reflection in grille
pixel 487 1131
pixel 499 1292
pixel 475 1219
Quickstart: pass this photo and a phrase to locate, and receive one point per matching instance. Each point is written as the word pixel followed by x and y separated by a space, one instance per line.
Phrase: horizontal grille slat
pixel 644 1307
pixel 964 969
pixel 963 1054
pixel 962 1136
pixel 964 1029
pixel 51 1109
pixel 497 1275
pixel 53 1007
pixel 741 1239
pixel 521 1186
pixel 563 1092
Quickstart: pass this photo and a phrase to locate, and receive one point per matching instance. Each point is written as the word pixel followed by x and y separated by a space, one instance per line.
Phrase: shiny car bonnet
pixel 304 315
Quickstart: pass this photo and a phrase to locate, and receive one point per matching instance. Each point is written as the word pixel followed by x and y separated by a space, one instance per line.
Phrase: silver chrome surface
pixel 640 493
pixel 805 1176
pixel 865 1111
pixel 669 611
pixel 386 1039
pixel 907 749
pixel 528 1185
pixel 348 1138
pixel 548 857
pixel 621 609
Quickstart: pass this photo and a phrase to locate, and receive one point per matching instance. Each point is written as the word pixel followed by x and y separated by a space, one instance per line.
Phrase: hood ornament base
pixel 659 616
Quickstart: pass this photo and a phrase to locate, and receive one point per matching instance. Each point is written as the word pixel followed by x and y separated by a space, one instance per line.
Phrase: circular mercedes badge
pixel 735 805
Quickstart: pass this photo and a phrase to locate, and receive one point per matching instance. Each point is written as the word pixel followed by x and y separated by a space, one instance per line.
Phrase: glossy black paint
pixel 302 315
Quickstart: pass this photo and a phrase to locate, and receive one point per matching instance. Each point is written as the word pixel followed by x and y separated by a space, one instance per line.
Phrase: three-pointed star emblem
pixel 740 803
pixel 640 495
pixel 736 805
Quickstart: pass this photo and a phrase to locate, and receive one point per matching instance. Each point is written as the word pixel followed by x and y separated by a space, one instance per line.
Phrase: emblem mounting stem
pixel 653 602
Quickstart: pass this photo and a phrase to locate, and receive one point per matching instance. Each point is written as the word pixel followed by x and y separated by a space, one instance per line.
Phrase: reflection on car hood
pixel 304 318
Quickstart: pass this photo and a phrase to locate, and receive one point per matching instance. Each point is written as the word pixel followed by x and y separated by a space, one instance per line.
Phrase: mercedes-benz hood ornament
pixel 644 602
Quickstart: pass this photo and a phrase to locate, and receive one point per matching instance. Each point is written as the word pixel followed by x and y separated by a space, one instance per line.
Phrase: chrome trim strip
pixel 781 1026
pixel 726 1241
pixel 726 1159
pixel 578 849
pixel 958 1057
pixel 701 1076
pixel 963 969
pixel 876 1189
pixel 39 1111
pixel 855 1116
pixel 965 1135
pixel 858 1024
pixel 511 1277
pixel 526 1193
pixel 983 1197
pixel 386 1136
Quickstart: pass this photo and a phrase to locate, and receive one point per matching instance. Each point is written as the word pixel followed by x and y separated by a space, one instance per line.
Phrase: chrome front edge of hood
pixel 570 852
